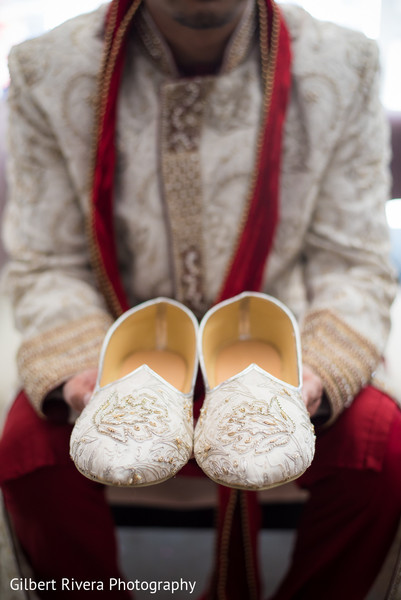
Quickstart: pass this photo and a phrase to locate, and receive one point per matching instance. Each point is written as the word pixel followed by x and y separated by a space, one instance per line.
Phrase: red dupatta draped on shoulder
pixel 236 574
pixel 254 243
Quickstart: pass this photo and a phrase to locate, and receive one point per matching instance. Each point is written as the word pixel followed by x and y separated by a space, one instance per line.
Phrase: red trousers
pixel 65 528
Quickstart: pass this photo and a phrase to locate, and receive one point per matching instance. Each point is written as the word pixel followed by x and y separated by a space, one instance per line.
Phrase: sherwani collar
pixel 235 52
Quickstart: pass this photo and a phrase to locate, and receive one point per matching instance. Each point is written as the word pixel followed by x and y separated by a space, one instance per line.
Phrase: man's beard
pixel 203 20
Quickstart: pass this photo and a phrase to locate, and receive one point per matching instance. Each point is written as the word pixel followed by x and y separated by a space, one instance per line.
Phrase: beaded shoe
pixel 137 429
pixel 254 431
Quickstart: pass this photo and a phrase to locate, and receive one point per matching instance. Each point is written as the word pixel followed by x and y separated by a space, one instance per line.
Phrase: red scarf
pixel 256 239
pixel 236 573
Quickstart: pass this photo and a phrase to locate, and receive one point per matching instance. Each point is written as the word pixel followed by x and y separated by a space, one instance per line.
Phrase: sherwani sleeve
pixel 349 280
pixel 60 313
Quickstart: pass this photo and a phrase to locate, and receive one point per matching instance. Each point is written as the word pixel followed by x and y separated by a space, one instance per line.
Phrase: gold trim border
pixel 49 359
pixel 112 48
pixel 268 67
pixel 343 358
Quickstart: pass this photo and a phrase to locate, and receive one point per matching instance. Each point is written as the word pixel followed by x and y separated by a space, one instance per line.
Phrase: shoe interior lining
pixel 169 365
pixel 251 330
pixel 160 335
pixel 235 357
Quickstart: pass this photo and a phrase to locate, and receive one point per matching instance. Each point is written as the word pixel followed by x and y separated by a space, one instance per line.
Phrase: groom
pixel 231 146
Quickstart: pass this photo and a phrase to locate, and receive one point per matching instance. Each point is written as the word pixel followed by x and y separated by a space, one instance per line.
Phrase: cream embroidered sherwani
pixel 186 149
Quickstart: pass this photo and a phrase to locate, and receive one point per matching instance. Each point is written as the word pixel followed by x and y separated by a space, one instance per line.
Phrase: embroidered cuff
pixel 343 358
pixel 49 359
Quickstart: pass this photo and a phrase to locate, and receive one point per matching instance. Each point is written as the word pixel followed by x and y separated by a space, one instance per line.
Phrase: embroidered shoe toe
pixel 137 430
pixel 254 431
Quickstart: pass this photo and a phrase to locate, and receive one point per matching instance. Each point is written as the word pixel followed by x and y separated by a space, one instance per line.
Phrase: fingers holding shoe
pixel 312 390
pixel 78 389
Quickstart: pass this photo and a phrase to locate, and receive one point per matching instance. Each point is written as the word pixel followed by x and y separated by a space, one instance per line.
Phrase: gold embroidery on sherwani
pixel 64 351
pixel 349 360
pixel 154 44
pixel 182 112
pixel 318 104
pixel 182 116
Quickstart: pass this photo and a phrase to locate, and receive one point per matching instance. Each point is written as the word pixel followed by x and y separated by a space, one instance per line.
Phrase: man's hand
pixel 78 390
pixel 312 391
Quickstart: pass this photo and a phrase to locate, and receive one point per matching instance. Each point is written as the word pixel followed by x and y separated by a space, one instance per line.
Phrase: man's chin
pixel 203 20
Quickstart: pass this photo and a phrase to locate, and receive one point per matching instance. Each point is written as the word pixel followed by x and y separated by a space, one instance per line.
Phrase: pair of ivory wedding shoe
pixel 254 431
